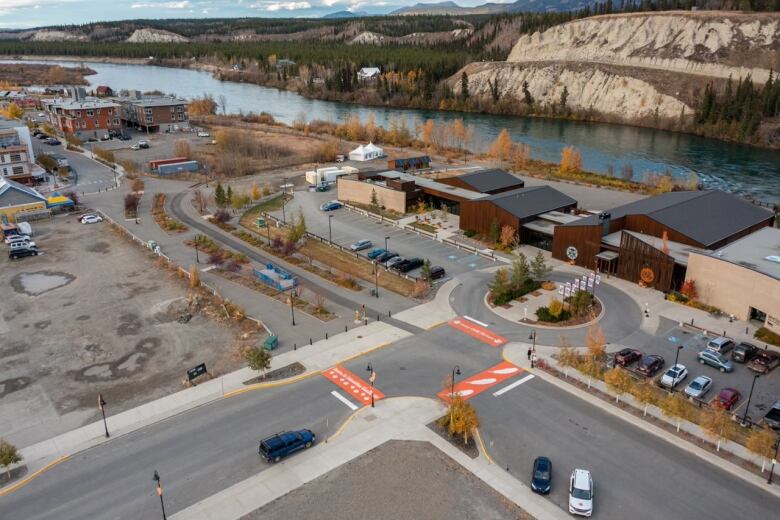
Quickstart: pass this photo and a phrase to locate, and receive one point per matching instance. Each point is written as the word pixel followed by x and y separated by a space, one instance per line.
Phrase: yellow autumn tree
pixel 13 111
pixel 618 381
pixel 571 160
pixel 255 191
pixel 502 147
pixel 427 132
pixel 520 154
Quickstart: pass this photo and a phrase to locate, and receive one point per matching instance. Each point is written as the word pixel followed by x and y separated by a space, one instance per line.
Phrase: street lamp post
pixel 376 279
pixel 292 305
pixel 158 488
pixel 371 380
pixel 455 371
pixel 284 194
pixel 197 259
pixel 102 406
pixel 774 460
pixel 330 232
pixel 676 357
pixel 750 396
pixel 386 239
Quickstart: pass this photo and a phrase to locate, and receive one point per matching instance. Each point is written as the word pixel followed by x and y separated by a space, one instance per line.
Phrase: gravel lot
pixel 397 480
pixel 92 314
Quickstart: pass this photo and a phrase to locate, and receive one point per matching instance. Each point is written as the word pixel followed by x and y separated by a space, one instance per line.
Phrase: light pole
pixel 102 406
pixel 376 279
pixel 455 371
pixel 284 199
pixel 330 231
pixel 676 357
pixel 774 460
pixel 371 380
pixel 386 239
pixel 292 304
pixel 750 396
pixel 158 488
pixel 197 259
pixel 532 337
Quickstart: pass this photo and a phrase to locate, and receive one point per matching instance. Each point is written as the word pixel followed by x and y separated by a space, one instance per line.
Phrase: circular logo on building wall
pixel 647 275
pixel 571 252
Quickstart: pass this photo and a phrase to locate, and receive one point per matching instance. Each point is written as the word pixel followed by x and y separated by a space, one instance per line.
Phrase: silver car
pixel 395 260
pixel 360 245
pixel 698 387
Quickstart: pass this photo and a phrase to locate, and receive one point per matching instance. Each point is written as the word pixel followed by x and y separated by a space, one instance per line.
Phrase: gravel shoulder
pixel 399 479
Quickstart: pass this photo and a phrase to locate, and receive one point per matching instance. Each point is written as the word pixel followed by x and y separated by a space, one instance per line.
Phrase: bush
pixel 767 336
pixel 470 233
pixel 217 258
pixel 221 216
pixel 544 314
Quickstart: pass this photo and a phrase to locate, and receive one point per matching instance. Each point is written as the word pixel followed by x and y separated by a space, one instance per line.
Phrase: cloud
pixel 281 6
pixel 8 6
pixel 183 4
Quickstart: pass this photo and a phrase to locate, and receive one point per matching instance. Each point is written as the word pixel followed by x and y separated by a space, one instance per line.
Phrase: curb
pixel 29 478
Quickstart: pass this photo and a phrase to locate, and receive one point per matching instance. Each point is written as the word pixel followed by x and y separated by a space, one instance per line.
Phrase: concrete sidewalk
pixel 401 418
pixel 432 313
pixel 516 353
pixel 317 357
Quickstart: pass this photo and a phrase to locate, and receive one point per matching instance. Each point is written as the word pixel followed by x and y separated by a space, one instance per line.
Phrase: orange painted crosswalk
pixel 478 383
pixel 478 332
pixel 352 384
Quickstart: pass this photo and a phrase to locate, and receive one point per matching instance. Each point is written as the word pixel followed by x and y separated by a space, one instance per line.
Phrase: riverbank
pixel 28 74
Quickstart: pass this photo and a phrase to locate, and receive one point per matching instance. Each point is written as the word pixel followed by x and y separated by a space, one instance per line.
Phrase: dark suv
pixel 627 356
pixel 282 444
pixel 27 249
pixel 744 352
pixel 650 365
pixel 408 265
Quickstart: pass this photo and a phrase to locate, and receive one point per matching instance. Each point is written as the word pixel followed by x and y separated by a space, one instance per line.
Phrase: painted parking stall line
pixel 478 383
pixel 478 332
pixel 513 385
pixel 352 384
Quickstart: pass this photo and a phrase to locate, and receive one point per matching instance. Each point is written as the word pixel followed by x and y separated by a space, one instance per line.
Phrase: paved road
pixel 197 453
pixel 636 474
pixel 620 323
pixel 92 176
pixel 307 280
pixel 348 227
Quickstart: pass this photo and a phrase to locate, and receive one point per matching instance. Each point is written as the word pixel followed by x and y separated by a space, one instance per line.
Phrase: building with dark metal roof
pixel 647 240
pixel 485 181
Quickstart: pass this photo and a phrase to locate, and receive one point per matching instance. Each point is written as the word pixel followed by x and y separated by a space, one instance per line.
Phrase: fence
pixel 179 268
pixel 491 255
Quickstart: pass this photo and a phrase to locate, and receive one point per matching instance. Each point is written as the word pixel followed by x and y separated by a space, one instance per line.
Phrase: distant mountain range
pixel 346 14
pixel 451 8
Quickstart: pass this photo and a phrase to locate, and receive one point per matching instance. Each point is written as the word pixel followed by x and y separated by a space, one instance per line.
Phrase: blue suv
pixel 282 444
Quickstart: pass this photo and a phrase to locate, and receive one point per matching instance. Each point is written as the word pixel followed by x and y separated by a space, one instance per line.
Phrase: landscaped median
pixel 162 218
pixel 342 267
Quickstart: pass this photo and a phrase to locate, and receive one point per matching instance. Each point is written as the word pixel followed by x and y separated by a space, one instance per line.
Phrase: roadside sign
pixel 196 371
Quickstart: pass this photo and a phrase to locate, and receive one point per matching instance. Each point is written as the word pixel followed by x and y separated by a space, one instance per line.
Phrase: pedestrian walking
pixel 529 353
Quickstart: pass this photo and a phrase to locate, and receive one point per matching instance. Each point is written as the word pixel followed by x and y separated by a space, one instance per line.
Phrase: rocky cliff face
pixel 715 44
pixel 631 67
pixel 155 36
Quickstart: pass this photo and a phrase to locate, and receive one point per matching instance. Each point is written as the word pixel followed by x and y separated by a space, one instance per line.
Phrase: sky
pixel 18 14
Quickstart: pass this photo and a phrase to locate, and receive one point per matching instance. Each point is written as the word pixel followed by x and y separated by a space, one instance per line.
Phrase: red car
pixel 727 398
pixel 650 365
pixel 627 356
pixel 764 362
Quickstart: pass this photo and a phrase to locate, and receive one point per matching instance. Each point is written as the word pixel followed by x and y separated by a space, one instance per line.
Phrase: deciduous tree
pixel 571 160
pixel 676 407
pixel 508 236
pixel 719 425
pixel 762 443
pixel 567 357
pixel 520 271
pixel 8 456
pixel 645 394
pixel 618 381
pixel 258 358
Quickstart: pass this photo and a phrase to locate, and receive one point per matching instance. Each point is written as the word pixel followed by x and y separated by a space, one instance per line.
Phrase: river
pixel 737 168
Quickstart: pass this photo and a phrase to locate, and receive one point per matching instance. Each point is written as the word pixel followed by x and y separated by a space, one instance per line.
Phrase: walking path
pixel 401 418
pixel 315 358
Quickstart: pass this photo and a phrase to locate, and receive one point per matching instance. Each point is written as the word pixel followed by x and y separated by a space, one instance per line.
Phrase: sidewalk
pixel 432 313
pixel 516 353
pixel 402 418
pixel 317 357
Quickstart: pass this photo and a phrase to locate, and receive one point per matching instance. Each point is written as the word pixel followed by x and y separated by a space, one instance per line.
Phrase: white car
pixel 581 493
pixel 674 376
pixel 135 147
pixel 18 239
pixel 91 219
pixel 203 134
pixel 41 114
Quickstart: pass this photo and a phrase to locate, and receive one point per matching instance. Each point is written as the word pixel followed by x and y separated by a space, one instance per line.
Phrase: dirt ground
pixel 399 479
pixel 93 314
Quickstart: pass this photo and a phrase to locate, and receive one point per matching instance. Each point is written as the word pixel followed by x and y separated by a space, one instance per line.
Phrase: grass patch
pixel 424 227
pixel 161 217
pixel 767 336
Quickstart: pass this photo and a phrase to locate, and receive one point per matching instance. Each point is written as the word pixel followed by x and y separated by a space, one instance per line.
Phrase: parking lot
pixel 347 227
pixel 767 388
pixel 161 145
pixel 92 314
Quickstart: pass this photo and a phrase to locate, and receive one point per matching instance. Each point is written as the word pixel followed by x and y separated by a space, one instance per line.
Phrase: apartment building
pixel 154 113
pixel 85 118
pixel 17 158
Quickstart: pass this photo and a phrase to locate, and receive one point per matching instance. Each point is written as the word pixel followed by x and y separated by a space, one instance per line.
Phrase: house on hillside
pixel 368 73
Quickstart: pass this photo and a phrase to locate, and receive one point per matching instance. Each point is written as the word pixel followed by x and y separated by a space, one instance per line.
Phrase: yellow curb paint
pixel 272 384
pixel 482 446
pixel 29 478
pixel 345 423
pixel 436 325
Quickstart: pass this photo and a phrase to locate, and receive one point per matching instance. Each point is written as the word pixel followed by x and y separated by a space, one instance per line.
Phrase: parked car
pixel 330 206
pixel 13 236
pixel 772 417
pixel 42 136
pixel 91 219
pixel 698 387
pixel 674 376
pixel 203 134
pixel 721 345
pixel 20 241
pixel 22 251
pixel 437 272
pixel 409 265
pixel 744 352
pixel 135 147
pixel 360 245
pixel 626 356
pixel 650 365
pixel 275 447
pixel 541 475
pixel 384 257
pixel 51 141
pixel 764 362
pixel 376 252
pixel 713 359
pixel 394 261
pixel 123 137
pixel 105 137
pixel 41 114
pixel 13 239
pixel 143 144
pixel 581 493
pixel 727 398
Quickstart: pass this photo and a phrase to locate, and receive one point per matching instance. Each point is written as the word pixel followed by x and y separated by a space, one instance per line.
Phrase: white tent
pixel 366 153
